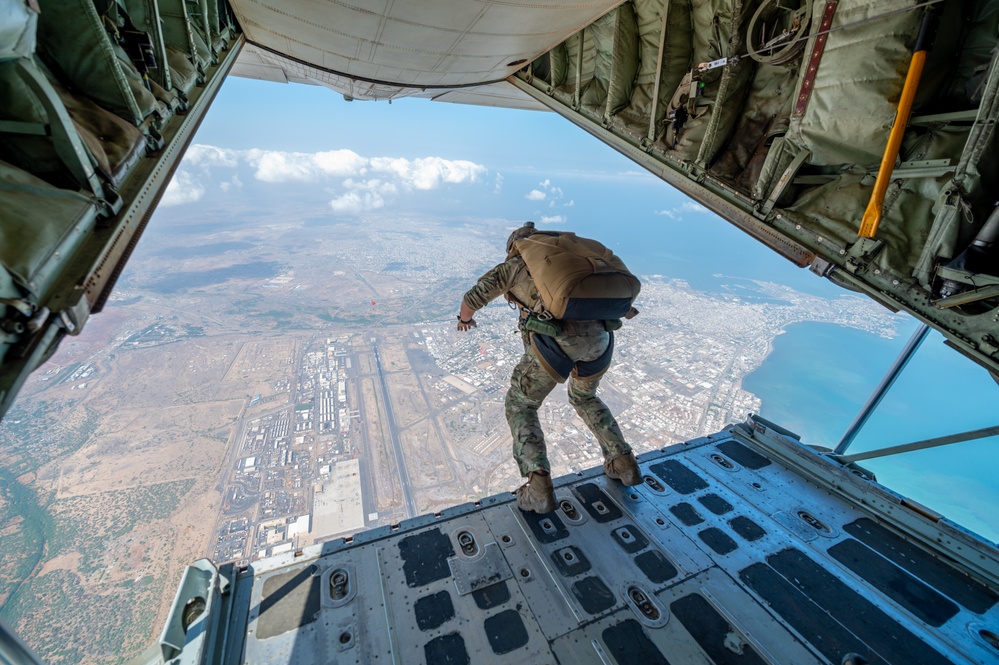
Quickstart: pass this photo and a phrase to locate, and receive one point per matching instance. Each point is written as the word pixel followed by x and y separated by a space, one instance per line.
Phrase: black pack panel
pixel 687 514
pixel 628 644
pixel 743 455
pixel 424 557
pixel 711 631
pixel 546 528
pixel 810 621
pixel 655 566
pixel 596 309
pixel 288 601
pixel 679 477
pixel 747 528
pixel 593 595
pixel 434 610
pixel 718 540
pixel 925 603
pixel 952 583
pixel 597 504
pixel 446 650
pixel 630 538
pixel 855 612
pixel 506 631
pixel 570 561
pixel 715 504
pixel 493 595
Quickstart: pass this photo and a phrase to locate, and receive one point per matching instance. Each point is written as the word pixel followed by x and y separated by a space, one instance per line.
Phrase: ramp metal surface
pixel 740 548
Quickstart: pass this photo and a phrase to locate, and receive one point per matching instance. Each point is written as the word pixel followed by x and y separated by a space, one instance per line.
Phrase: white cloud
pixel 499 183
pixel 691 206
pixel 553 219
pixel 677 212
pixel 232 183
pixel 569 204
pixel 548 191
pixel 276 166
pixel 183 188
pixel 340 163
pixel 428 172
pixel 207 156
pixel 354 172
pixel 355 202
pixel 376 186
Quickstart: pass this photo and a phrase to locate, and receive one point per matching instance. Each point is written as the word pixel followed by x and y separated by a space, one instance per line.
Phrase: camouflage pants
pixel 529 386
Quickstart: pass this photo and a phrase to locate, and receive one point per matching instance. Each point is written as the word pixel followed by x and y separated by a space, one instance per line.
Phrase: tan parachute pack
pixel 578 279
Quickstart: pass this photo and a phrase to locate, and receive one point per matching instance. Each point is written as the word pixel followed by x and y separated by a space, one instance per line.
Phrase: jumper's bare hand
pixel 465 320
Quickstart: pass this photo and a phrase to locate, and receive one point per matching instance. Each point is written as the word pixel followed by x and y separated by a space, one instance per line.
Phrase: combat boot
pixel 624 468
pixel 537 494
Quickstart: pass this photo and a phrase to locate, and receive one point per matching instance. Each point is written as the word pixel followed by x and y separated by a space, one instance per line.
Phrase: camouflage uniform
pixel 530 383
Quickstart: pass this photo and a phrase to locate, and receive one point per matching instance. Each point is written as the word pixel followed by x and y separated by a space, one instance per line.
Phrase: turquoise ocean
pixel 819 375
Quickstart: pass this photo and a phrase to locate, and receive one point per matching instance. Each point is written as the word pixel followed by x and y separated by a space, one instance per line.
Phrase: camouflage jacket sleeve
pixel 494 283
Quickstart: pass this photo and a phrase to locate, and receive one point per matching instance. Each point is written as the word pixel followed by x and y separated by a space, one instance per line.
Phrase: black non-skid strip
pixel 433 611
pixel 747 528
pixel 546 528
pixel 678 476
pixel 570 561
pixel 597 504
pixel 743 455
pixel 424 557
pixel 446 650
pixel 924 603
pixel 687 514
pixel 717 540
pixel 715 504
pixel 937 573
pixel 491 596
pixel 593 595
pixel 656 566
pixel 857 614
pixel 712 632
pixel 506 631
pixel 628 644
pixel 629 538
pixel 810 621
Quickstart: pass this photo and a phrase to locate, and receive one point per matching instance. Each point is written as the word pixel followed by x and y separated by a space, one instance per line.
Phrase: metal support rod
pixel 886 383
pixel 13 650
pixel 576 95
pixel 922 445
pixel 659 73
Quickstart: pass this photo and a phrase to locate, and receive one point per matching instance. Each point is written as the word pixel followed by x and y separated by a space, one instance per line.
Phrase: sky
pixel 309 150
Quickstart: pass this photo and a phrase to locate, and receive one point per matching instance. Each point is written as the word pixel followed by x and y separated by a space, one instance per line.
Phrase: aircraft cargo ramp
pixel 742 547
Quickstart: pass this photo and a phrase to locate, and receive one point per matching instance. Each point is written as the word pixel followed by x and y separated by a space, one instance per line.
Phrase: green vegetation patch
pixel 65 623
pixel 43 430
pixel 88 524
pixel 24 529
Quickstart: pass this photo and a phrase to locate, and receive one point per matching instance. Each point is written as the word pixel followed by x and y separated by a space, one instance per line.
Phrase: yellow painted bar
pixel 872 216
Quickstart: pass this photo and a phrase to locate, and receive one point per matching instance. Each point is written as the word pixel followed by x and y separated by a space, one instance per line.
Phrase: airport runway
pixel 400 457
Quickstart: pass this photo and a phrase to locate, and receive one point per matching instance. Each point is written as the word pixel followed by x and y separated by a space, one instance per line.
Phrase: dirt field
pixel 378 448
pixel 425 457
